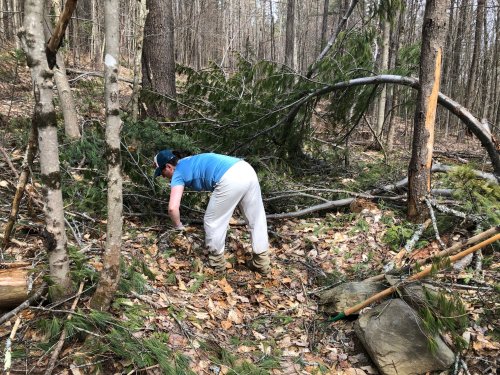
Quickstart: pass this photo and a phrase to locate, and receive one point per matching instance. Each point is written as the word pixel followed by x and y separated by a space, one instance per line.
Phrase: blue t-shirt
pixel 202 172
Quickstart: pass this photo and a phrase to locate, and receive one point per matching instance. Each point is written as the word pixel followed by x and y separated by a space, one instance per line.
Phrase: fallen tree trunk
pixel 13 286
pixel 371 194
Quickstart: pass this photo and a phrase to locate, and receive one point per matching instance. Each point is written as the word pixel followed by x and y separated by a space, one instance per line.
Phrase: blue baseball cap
pixel 161 159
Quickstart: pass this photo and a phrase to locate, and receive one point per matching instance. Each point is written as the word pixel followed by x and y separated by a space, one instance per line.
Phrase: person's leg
pixel 223 201
pixel 253 210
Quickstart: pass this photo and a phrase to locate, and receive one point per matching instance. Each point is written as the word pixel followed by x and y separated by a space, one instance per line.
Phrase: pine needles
pixel 444 313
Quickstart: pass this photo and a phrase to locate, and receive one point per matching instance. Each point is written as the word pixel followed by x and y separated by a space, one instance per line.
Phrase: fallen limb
pixel 451 250
pixel 426 271
pixel 410 244
pixel 434 223
pixel 29 155
pixel 9 162
pixel 83 73
pixel 14 286
pixel 436 167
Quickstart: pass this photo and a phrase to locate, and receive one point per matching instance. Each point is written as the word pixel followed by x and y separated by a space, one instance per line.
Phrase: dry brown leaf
pixel 245 349
pixel 224 285
pixel 354 371
pixel 258 336
pixel 180 284
pixel 235 316
pixel 482 342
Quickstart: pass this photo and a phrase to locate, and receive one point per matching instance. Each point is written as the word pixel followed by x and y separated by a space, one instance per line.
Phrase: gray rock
pixel 346 295
pixel 393 337
pixel 412 293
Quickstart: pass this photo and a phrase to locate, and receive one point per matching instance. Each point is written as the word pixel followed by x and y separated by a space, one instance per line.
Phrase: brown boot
pixel 217 262
pixel 260 263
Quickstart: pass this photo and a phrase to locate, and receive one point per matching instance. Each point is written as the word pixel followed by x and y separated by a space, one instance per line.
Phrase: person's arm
pixel 174 205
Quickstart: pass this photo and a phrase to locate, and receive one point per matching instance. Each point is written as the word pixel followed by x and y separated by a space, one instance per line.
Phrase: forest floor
pixel 224 323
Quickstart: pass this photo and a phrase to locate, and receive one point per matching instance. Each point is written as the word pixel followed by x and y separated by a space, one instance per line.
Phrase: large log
pixel 13 286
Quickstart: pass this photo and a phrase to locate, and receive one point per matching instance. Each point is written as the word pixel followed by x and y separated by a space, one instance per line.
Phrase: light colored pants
pixel 238 186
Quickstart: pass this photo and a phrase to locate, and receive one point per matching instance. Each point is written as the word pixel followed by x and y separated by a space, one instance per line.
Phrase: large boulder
pixel 347 295
pixel 393 336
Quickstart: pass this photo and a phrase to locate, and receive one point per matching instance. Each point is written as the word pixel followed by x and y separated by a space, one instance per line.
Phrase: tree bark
pixel 478 33
pixel 44 118
pixel 110 274
pixel 158 61
pixel 290 34
pixel 384 65
pixel 141 17
pixel 67 103
pixel 58 34
pixel 324 22
pixel 419 171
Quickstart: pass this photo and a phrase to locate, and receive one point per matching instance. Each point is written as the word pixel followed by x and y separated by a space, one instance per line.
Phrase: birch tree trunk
pixel 110 274
pixel 71 128
pixel 384 65
pixel 44 118
pixel 419 171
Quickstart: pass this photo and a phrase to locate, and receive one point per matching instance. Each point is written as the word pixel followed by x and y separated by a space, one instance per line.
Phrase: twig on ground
pixel 9 162
pixel 447 210
pixel 416 236
pixel 55 354
pixel 456 365
pixel 434 223
pixel 8 347
pixel 156 305
pixel 464 366
pixel 459 286
pixel 407 249
pixel 75 236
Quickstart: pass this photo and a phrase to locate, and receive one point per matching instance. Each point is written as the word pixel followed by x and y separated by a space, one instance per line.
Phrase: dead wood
pixel 29 155
pixel 55 354
pixel 39 292
pixel 13 286
pixel 451 250
pixel 8 347
pixel 9 162
pixel 86 73
pixel 372 194
pixel 55 40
